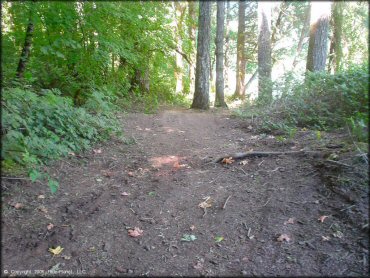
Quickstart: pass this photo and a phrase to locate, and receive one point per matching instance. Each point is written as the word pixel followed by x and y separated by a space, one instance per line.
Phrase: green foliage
pixel 321 102
pixel 44 126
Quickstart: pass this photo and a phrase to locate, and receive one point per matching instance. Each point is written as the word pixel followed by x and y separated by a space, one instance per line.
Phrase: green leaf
pixel 187 237
pixel 34 175
pixel 219 238
pixel 53 185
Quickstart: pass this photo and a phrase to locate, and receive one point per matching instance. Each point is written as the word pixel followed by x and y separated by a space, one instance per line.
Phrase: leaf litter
pixel 136 232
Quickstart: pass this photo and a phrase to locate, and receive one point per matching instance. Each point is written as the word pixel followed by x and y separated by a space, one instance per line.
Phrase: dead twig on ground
pixel 15 178
pixel 205 212
pixel 347 208
pixel 224 206
pixel 277 168
pixel 339 163
pixel 266 202
pixel 240 169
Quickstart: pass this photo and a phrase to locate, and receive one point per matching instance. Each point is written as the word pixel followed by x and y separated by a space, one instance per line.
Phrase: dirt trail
pixel 164 168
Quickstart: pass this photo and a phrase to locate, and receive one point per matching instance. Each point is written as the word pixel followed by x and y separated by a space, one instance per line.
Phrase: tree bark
pixel 264 51
pixel 336 52
pixel 319 27
pixel 191 32
pixel 26 50
pixel 240 58
pixel 179 16
pixel 220 101
pixel 227 46
pixel 201 92
pixel 304 33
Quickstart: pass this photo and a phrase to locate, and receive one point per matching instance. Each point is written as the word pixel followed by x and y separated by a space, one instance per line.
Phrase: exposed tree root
pixel 260 154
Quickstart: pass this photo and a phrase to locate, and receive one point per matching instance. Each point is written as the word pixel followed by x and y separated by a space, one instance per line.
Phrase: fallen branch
pixel 224 206
pixel 257 154
pixel 339 163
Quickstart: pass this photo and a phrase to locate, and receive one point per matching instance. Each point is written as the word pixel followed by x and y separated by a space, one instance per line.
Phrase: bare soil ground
pixel 165 167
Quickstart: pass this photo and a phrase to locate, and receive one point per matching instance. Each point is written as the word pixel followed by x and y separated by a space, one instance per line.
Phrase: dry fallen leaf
pixel 198 266
pixel 56 251
pixel 284 237
pixel 43 209
pixel 135 232
pixel 18 205
pixel 322 218
pixel 192 227
pixel 227 160
pixel 290 221
pixel 96 151
pixel 50 226
pixel 108 174
pixel 125 194
pixel 207 203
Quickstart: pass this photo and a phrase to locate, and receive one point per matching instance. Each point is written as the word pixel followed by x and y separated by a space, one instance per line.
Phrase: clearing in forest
pixel 159 205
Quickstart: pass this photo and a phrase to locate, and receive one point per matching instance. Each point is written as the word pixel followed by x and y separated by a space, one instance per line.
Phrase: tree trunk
pixel 264 51
pixel 336 53
pixel 220 101
pixel 201 93
pixel 304 33
pixel 179 16
pixel 191 32
pixel 240 58
pixel 26 50
pixel 319 27
pixel 227 39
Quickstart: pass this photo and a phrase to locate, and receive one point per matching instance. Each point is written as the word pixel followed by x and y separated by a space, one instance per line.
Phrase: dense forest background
pixel 68 67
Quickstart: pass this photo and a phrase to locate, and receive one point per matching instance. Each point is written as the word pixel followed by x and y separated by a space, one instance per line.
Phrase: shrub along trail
pixel 264 215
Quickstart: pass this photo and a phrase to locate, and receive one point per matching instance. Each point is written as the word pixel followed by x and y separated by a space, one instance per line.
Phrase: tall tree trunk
pixel 201 93
pixel 336 52
pixel 264 51
pixel 240 58
pixel 220 101
pixel 304 33
pixel 26 50
pixel 191 32
pixel 179 16
pixel 319 27
pixel 227 46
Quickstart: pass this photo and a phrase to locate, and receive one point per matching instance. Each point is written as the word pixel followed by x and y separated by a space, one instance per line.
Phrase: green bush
pixel 322 101
pixel 39 127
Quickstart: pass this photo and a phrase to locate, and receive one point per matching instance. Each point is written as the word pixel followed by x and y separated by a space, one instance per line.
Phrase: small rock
pixel 147 248
pixel 244 272
pixel 130 271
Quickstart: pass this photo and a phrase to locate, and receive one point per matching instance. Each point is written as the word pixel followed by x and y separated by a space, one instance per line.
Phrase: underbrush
pixel 321 102
pixel 44 126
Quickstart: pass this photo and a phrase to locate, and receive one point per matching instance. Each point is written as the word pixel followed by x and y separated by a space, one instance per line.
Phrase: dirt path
pixel 164 168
